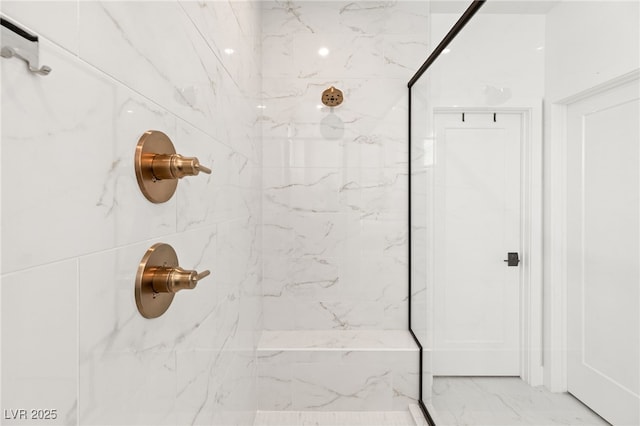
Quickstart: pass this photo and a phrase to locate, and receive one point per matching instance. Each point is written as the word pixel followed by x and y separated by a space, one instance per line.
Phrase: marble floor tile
pixel 508 401
pixel 334 418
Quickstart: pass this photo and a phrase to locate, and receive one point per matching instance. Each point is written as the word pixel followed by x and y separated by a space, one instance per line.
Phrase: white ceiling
pixel 538 7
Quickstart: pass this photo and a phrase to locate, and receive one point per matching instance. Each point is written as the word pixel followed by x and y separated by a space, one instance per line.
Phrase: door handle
pixel 512 259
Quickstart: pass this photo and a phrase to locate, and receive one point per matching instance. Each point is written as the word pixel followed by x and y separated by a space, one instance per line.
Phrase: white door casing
pixel 603 256
pixel 477 220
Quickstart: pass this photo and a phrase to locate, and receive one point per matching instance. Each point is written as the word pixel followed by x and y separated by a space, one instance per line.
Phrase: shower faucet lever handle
pixel 159 167
pixel 175 166
pixel 202 274
pixel 174 279
pixel 187 280
pixel 159 278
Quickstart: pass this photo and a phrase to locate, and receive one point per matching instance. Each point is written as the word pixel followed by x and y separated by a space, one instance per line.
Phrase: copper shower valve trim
pixel 158 167
pixel 159 278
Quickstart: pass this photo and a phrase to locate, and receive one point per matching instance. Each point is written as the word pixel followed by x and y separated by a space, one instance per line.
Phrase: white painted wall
pixel 587 44
pixel 496 60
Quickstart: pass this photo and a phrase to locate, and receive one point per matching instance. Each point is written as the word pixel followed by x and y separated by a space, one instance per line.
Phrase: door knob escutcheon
pixel 158 167
pixel 159 278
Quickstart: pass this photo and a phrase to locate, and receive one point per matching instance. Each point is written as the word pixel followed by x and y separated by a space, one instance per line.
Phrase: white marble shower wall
pixel 335 180
pixel 75 225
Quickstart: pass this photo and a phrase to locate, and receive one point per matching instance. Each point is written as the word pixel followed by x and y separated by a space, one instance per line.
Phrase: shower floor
pixel 334 418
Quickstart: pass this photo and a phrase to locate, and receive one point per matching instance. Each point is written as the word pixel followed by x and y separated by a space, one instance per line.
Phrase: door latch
pixel 512 259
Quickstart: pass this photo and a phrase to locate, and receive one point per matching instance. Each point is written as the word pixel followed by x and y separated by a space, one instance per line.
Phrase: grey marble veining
pixel 338 418
pixel 333 204
pixel 331 370
pixel 345 340
pixel 334 217
pixel 77 225
pixel 508 401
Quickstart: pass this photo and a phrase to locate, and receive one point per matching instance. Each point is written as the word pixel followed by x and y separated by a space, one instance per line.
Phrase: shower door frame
pixel 532 369
pixel 448 38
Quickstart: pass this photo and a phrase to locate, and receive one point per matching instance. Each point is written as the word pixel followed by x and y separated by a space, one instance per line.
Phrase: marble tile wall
pixel 335 180
pixel 75 225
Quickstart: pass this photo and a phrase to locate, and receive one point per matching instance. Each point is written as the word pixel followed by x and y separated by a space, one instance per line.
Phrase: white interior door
pixel 476 222
pixel 603 231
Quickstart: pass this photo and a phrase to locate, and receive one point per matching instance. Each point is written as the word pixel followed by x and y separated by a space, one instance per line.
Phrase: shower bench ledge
pixel 341 340
pixel 337 370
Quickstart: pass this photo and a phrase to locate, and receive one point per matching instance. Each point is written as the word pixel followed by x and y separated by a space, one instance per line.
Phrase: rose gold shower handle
pixel 159 167
pixel 174 166
pixel 173 279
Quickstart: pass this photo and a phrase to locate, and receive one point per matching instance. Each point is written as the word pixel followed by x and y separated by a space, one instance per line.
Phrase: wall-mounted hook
pixel 158 167
pixel 17 42
pixel 159 278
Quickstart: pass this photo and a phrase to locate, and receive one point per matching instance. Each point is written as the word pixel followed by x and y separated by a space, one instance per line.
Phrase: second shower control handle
pixel 159 278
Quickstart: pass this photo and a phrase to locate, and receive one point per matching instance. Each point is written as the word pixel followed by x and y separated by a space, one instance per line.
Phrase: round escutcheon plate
pixel 151 304
pixel 151 143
